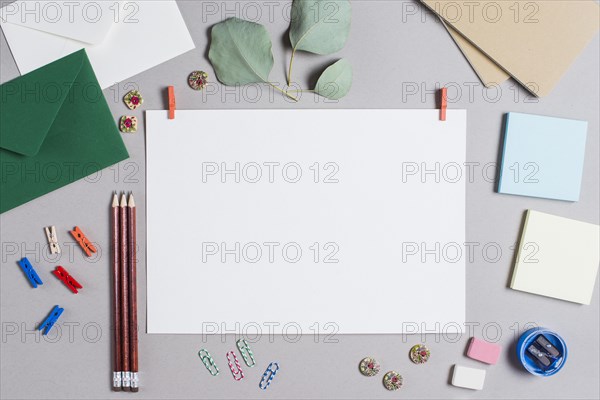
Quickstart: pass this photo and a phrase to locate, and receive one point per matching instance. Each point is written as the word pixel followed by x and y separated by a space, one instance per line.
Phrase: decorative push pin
pixel 128 124
pixel 368 366
pixel 392 380
pixel 32 276
pixel 85 244
pixel 198 80
pixel 67 279
pixel 133 99
pixel 419 354
pixel 52 239
pixel 50 320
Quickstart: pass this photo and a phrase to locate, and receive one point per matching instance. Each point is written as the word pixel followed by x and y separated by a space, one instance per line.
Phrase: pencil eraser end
pixel 468 378
pixel 483 351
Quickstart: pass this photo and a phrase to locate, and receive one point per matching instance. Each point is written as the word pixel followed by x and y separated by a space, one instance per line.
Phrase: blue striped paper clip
pixel 268 376
pixel 208 362
pixel 246 353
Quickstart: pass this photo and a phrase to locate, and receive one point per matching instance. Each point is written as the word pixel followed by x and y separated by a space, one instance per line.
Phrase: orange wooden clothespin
pixel 85 244
pixel 171 102
pixel 443 103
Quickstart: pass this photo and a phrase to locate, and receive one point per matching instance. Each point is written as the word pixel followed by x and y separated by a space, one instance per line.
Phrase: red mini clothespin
pixel 85 244
pixel 67 279
pixel 443 103
pixel 171 102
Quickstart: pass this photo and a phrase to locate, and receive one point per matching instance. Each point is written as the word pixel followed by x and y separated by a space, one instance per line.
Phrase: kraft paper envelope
pixel 534 41
pixel 56 128
pixel 122 39
pixel 488 72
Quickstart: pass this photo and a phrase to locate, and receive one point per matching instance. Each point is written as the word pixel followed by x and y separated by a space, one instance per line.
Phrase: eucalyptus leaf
pixel 335 82
pixel 320 26
pixel 240 52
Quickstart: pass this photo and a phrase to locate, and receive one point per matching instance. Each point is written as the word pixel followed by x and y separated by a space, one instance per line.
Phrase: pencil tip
pixel 131 201
pixel 115 202
pixel 123 200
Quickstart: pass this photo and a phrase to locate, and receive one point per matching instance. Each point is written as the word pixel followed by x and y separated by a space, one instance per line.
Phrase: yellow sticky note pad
pixel 557 257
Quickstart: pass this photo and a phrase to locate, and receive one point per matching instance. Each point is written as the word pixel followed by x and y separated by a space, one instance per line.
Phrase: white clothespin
pixel 52 239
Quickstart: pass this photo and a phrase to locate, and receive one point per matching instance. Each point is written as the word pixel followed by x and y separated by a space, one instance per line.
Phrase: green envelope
pixel 55 128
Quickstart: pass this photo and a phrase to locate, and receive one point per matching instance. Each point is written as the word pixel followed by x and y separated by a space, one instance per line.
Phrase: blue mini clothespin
pixel 30 273
pixel 50 320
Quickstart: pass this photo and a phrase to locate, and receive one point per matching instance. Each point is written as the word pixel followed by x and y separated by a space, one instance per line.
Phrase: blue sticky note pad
pixel 542 157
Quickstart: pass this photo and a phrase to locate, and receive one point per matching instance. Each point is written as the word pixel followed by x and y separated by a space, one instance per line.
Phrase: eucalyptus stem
pixel 301 91
pixel 291 64
pixel 283 91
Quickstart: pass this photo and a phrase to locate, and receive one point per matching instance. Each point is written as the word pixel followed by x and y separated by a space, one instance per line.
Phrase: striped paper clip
pixel 268 376
pixel 237 373
pixel 208 362
pixel 246 353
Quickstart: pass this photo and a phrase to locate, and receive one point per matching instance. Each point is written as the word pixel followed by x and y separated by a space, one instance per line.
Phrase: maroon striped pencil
pixel 133 322
pixel 116 296
pixel 125 295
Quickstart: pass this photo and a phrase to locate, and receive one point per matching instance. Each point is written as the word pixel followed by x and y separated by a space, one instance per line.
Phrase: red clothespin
pixel 443 103
pixel 171 102
pixel 67 279
pixel 85 244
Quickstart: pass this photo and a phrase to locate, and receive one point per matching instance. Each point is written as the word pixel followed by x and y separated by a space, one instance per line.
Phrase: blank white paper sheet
pixel 305 221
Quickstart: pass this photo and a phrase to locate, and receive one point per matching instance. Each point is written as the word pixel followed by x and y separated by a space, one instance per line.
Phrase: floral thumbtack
pixel 198 80
pixel 133 99
pixel 128 124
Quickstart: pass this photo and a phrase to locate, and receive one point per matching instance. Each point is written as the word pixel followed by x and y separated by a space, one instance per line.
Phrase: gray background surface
pixel 392 52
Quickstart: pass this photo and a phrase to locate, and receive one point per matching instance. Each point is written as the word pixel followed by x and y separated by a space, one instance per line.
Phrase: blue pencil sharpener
pixel 541 351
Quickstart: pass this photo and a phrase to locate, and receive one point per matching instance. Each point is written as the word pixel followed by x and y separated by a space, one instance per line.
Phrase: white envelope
pixel 122 38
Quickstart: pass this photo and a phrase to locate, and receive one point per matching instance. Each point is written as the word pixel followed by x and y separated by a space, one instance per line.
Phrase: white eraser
pixel 470 378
